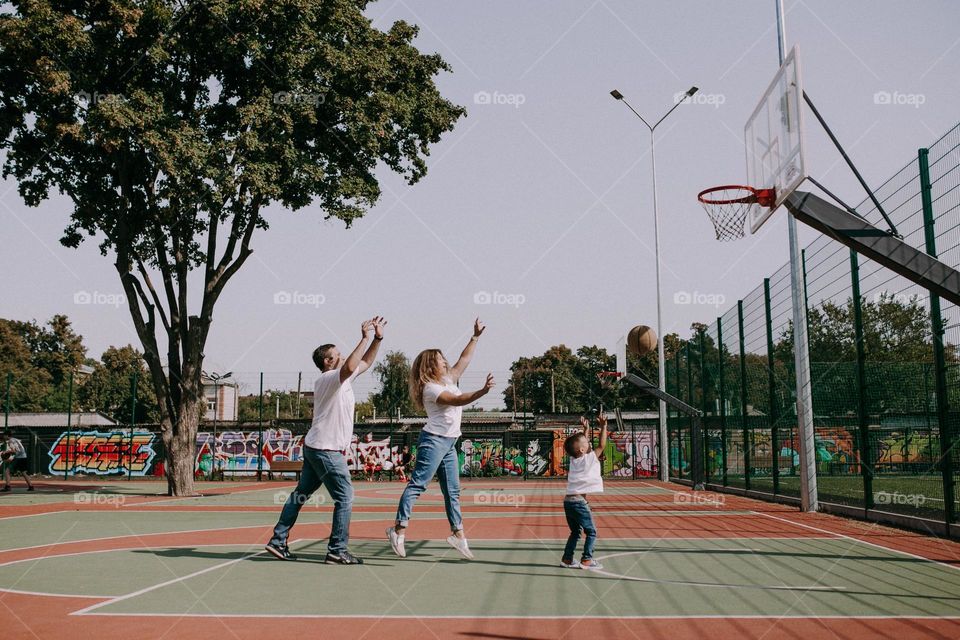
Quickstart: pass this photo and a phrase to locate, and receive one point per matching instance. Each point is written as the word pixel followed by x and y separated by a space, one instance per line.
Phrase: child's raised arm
pixel 602 421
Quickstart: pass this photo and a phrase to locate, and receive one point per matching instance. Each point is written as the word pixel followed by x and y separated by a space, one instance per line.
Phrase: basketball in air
pixel 641 340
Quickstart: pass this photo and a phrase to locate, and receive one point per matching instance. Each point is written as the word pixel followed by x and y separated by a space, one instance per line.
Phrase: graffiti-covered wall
pixel 533 453
pixel 103 453
pixel 237 451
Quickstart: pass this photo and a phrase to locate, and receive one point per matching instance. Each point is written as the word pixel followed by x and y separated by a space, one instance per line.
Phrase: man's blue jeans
pixel 579 517
pixel 327 468
pixel 435 455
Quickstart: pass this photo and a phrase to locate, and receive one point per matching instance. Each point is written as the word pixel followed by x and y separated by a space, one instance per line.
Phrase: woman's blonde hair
pixel 425 368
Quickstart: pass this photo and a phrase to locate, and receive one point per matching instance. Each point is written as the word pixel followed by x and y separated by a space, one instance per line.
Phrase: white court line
pixel 716 585
pixel 477 543
pixel 33 515
pixel 364 616
pixel 836 534
pixel 202 495
pixel 139 592
pixel 131 535
pixel 52 595
pixel 165 546
pixel 872 544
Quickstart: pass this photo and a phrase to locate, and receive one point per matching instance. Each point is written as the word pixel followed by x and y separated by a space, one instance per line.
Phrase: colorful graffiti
pixel 632 453
pixel 486 457
pixel 907 448
pixel 537 457
pixel 103 453
pixel 558 456
pixel 237 451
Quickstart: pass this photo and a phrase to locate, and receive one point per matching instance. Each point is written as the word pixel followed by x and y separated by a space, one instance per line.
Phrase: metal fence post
pixel 723 403
pixel 677 422
pixel 772 412
pixel 260 434
pixel 939 360
pixel 133 424
pixel 689 394
pixel 68 467
pixel 743 400
pixel 703 405
pixel 863 426
pixel 6 402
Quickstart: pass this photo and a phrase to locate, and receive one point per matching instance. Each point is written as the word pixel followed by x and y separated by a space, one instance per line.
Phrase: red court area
pixel 516 529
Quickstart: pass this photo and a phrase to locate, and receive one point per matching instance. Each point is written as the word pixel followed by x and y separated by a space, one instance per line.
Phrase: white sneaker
pixel 591 564
pixel 396 542
pixel 573 564
pixel 460 544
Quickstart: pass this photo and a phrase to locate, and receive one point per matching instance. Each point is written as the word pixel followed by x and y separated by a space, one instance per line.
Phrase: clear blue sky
pixel 546 196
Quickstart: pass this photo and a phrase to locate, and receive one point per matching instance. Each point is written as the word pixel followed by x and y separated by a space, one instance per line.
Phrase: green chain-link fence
pixel 885 368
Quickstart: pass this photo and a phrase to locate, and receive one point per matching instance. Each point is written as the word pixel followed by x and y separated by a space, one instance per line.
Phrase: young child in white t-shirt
pixel 583 477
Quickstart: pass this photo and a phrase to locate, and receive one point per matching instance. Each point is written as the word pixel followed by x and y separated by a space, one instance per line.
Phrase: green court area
pixel 126 553
pixel 737 577
pixel 918 496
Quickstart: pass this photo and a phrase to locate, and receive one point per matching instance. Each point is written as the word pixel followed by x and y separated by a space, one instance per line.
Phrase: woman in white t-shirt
pixel 433 388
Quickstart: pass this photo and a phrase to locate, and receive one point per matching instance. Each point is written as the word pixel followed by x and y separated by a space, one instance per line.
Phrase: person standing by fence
pixel 14 461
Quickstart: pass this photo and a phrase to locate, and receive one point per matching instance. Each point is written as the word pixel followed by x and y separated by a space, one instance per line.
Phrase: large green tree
pixel 110 387
pixel 393 373
pixel 41 359
pixel 29 385
pixel 567 381
pixel 171 126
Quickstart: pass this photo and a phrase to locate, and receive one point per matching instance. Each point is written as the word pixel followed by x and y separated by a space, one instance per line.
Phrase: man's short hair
pixel 320 353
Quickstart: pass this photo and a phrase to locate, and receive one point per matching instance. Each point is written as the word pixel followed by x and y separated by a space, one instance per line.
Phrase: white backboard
pixel 774 139
pixel 621 351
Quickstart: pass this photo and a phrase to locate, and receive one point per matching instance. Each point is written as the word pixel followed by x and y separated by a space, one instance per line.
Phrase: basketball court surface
pixel 113 560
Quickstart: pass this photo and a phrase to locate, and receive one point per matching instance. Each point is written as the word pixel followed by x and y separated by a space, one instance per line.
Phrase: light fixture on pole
pixel 664 461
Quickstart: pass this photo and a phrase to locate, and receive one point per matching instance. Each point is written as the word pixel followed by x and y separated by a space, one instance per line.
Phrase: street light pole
pixel 662 436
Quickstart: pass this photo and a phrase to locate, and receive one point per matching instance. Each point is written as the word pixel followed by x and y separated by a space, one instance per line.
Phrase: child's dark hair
pixel 569 442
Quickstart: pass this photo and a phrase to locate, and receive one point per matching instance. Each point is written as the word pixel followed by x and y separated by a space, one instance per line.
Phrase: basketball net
pixel 728 207
pixel 608 379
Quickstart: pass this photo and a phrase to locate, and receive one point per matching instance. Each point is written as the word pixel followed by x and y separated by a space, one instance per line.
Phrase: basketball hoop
pixel 729 205
pixel 608 379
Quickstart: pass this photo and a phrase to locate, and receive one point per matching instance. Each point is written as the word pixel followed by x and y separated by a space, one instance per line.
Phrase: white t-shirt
pixel 16 446
pixel 442 419
pixel 333 405
pixel 584 475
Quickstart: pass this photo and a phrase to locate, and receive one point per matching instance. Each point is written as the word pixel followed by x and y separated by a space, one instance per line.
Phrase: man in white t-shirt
pixel 584 477
pixel 326 444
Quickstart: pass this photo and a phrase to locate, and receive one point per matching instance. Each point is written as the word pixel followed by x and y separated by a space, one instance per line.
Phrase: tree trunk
pixel 180 442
